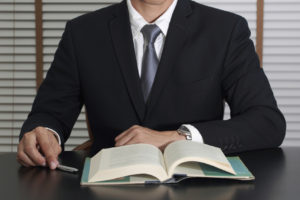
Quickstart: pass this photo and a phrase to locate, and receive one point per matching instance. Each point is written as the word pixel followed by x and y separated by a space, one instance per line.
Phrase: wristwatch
pixel 183 130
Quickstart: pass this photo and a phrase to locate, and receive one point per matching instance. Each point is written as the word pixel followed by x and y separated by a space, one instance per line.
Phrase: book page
pixel 127 160
pixel 185 151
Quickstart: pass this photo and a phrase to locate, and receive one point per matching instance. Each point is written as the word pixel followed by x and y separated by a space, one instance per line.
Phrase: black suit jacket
pixel 207 59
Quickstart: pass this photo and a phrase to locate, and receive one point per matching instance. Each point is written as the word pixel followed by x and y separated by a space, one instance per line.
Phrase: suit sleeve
pixel 256 122
pixel 58 101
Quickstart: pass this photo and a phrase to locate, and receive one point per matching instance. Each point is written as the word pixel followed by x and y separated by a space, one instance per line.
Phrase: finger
pixel 31 150
pixel 125 132
pixel 25 160
pixel 121 135
pixel 131 141
pixel 45 144
pixel 125 138
pixel 23 163
pixel 57 150
pixel 55 145
pixel 22 157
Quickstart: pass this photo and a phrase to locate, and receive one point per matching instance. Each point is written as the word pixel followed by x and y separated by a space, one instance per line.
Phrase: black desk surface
pixel 277 173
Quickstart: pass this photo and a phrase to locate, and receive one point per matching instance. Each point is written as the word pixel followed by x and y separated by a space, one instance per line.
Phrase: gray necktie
pixel 150 60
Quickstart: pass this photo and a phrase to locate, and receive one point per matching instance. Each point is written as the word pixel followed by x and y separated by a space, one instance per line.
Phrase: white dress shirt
pixel 137 22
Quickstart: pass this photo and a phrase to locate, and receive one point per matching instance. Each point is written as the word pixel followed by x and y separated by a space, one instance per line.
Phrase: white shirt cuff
pixel 55 133
pixel 196 135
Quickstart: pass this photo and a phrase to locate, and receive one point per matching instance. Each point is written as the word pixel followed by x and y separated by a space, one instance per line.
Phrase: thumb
pixel 51 154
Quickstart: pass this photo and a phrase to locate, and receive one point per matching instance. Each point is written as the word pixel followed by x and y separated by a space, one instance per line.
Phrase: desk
pixel 276 170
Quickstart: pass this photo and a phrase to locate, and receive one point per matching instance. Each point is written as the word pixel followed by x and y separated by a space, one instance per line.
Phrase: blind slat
pixel 282 60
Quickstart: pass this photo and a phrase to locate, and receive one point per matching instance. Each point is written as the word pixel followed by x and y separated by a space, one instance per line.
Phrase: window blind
pixel 17 68
pixel 282 60
pixel 17 57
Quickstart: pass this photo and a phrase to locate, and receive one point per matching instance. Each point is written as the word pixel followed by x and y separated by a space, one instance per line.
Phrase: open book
pixel 144 163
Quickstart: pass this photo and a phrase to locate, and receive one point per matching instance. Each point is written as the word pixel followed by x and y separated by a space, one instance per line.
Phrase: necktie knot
pixel 150 33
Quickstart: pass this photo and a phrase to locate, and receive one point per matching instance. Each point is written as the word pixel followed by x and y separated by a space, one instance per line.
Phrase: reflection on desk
pixel 169 192
pixel 37 182
pixel 276 171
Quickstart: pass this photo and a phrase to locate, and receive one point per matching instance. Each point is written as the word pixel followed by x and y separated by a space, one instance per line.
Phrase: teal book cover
pixel 242 173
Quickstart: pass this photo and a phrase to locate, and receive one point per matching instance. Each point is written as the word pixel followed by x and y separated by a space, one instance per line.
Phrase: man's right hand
pixel 39 148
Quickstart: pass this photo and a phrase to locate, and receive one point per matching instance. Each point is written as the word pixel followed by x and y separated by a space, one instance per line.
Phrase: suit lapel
pixel 123 45
pixel 175 40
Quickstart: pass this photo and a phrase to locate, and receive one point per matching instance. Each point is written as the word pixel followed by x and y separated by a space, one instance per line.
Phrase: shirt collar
pixel 138 22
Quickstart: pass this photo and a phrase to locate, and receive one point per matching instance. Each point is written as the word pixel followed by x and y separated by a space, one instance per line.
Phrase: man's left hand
pixel 138 134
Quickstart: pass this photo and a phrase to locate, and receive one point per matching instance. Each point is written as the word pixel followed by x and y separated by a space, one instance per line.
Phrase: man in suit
pixel 154 71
